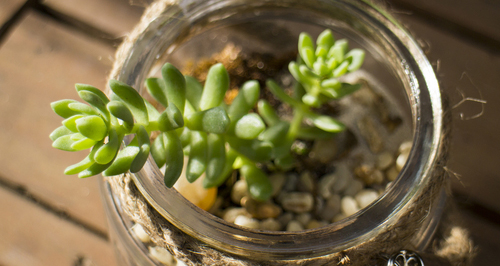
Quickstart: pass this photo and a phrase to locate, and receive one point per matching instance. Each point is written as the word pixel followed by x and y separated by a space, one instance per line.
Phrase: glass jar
pixel 194 29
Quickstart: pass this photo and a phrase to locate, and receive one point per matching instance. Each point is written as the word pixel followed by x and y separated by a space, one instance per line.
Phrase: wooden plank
pixel 481 16
pixel 475 149
pixel 116 17
pixel 7 8
pixel 39 64
pixel 31 236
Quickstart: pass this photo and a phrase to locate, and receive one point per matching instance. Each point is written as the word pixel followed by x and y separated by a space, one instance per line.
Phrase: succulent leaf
pixel 70 123
pixel 95 101
pixel 144 145
pixel 198 155
pixel 62 109
pixel 216 157
pixel 170 119
pixel 120 110
pixel 174 158
pixel 249 126
pixel 92 127
pixel 194 90
pixel 108 151
pixel 215 88
pixel 156 88
pixel 59 132
pixel 82 108
pixel 214 120
pixel 259 186
pixel 267 113
pixel 122 162
pixel 64 143
pixel 130 97
pixel 175 85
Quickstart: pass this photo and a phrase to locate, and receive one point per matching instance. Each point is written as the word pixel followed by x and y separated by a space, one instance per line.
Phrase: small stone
pixel 315 224
pixel 231 213
pixel 291 182
pixel 324 150
pixel 262 210
pixel 239 190
pixel 332 207
pixel 270 224
pixel 366 197
pixel 349 206
pixel 369 175
pixel 371 134
pixel 306 182
pixel 344 178
pixel 298 202
pixel 339 217
pixel 181 263
pixel 303 218
pixel 401 160
pixel 355 187
pixel 384 160
pixel 325 185
pixel 277 181
pixel 294 225
pixel 245 221
pixel 162 255
pixel 285 218
pixel 405 147
pixel 140 233
pixel 392 174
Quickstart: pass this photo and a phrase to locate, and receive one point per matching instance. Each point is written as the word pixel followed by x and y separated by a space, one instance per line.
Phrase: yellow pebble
pixel 196 193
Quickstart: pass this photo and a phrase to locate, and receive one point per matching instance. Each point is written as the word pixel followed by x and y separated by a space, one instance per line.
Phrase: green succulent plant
pixel 216 138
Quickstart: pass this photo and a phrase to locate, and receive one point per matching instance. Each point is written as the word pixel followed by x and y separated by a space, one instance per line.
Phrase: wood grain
pixel 475 149
pixel 39 64
pixel 116 17
pixel 35 237
pixel 7 8
pixel 480 16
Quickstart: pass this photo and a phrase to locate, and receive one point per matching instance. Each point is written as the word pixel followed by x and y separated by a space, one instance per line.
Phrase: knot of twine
pixel 451 245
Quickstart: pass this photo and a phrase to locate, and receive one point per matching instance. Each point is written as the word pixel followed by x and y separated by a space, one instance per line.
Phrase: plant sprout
pixel 196 125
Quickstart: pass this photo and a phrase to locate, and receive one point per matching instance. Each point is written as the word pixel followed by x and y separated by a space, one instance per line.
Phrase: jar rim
pixel 426 106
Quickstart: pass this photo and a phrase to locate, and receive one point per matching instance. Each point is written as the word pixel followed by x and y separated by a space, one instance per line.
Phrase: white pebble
pixel 366 197
pixel 326 184
pixel 355 187
pixel 239 190
pixel 277 181
pixel 401 160
pixel 324 150
pixel 140 233
pixel 294 225
pixel 231 214
pixel 303 218
pixel 298 202
pixel 270 224
pixel 315 224
pixel 162 255
pixel 344 178
pixel 384 160
pixel 332 207
pixel 306 182
pixel 244 221
pixel 349 206
pixel 338 217
pixel 392 174
pixel 405 147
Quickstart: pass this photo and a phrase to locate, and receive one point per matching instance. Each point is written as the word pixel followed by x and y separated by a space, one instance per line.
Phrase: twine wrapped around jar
pixel 450 246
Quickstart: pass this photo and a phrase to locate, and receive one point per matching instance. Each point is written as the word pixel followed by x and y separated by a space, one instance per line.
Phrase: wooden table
pixel 46 46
